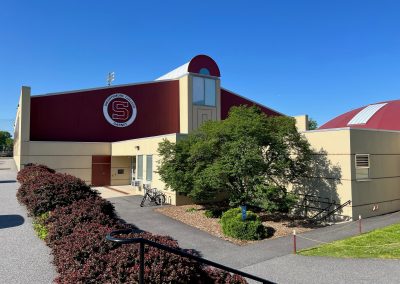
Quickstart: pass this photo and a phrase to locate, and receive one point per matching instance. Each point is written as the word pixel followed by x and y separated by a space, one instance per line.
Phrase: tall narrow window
pixel 149 167
pixel 198 91
pixel 362 166
pixel 209 94
pixel 204 93
pixel 140 167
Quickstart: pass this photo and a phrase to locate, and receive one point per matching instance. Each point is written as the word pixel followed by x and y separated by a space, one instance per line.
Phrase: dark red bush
pixel 86 257
pixel 30 171
pixel 49 191
pixel 218 276
pixel 93 209
pixel 25 190
pixel 78 223
pixel 86 241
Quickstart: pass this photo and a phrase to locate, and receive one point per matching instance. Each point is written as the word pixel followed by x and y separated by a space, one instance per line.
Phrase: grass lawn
pixel 381 243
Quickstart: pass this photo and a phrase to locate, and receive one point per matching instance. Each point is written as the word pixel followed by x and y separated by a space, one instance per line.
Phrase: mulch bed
pixel 277 225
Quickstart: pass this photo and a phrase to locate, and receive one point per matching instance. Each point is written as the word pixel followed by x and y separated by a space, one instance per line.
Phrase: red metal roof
pixel 385 118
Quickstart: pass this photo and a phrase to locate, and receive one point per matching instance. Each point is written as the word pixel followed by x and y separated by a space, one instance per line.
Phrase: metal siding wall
pixel 79 116
pixel 229 100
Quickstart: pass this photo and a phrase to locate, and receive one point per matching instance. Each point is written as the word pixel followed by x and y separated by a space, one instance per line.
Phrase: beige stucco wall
pixel 381 192
pixel 74 158
pixel 184 98
pixel 148 146
pixel 22 124
pixel 121 163
pixel 331 176
pixel 336 149
pixel 301 122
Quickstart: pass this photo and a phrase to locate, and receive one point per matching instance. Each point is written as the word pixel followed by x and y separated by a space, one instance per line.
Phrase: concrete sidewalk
pixel 271 259
pixel 24 257
pixel 307 270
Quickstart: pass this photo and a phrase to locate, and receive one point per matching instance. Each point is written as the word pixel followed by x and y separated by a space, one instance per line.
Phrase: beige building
pixel 357 159
pixel 109 136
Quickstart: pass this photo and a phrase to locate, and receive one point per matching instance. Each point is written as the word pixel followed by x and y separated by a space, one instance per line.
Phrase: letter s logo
pixel 120 110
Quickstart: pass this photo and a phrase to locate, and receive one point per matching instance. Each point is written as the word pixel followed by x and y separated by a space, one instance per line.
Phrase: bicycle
pixel 153 195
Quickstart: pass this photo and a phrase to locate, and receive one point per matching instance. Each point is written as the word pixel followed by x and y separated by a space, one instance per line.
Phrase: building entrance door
pixel 101 170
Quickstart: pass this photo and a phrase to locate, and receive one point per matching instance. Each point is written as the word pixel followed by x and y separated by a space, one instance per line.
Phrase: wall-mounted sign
pixel 119 110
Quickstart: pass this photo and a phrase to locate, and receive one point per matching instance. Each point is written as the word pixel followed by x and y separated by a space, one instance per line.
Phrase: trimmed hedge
pixel 46 191
pixel 94 209
pixel 31 171
pixel 90 258
pixel 75 220
pixel 234 226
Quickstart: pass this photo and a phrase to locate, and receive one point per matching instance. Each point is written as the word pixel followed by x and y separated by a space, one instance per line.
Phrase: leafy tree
pixel 248 155
pixel 5 139
pixel 312 124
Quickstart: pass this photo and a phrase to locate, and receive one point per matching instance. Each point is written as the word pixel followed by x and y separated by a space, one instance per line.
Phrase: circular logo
pixel 119 110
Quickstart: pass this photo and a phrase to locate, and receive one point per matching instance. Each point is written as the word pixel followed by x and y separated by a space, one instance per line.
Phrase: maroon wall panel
pixel 79 116
pixel 101 159
pixel 201 61
pixel 229 100
pixel 101 170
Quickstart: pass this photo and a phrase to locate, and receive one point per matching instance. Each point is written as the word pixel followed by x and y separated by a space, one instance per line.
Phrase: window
pixel 204 71
pixel 198 91
pixel 209 95
pixel 204 91
pixel 365 114
pixel 362 166
pixel 149 167
pixel 140 167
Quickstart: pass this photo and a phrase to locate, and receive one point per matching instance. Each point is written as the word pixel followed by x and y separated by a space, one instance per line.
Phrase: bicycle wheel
pixel 143 200
pixel 160 199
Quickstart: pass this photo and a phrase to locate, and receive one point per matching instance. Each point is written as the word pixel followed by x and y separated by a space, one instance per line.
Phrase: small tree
pixel 248 155
pixel 5 140
pixel 312 124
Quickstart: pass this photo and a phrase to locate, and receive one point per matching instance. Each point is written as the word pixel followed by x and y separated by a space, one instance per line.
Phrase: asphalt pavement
pixel 272 259
pixel 24 257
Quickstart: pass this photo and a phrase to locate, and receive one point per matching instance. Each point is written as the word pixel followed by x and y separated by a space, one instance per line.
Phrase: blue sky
pixel 316 57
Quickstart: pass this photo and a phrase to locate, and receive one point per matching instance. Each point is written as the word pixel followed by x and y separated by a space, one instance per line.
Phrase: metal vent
pixel 362 160
pixel 365 114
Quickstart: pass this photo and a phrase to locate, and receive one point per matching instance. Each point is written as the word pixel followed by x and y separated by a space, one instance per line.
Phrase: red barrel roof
pixel 383 115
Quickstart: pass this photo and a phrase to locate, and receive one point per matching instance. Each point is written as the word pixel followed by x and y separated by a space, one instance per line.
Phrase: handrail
pixel 309 198
pixel 142 241
pixel 322 211
pixel 335 210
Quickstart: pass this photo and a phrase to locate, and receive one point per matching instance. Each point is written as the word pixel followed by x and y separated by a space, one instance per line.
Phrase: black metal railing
pixel 316 203
pixel 348 202
pixel 142 242
pixel 325 206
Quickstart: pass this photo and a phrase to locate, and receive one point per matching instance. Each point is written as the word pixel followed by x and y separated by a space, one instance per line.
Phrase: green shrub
pixel 234 226
pixel 39 225
pixel 213 213
pixel 274 199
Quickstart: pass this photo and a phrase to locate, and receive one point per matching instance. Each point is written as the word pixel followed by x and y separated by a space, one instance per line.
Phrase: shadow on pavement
pixel 8 181
pixel 8 221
